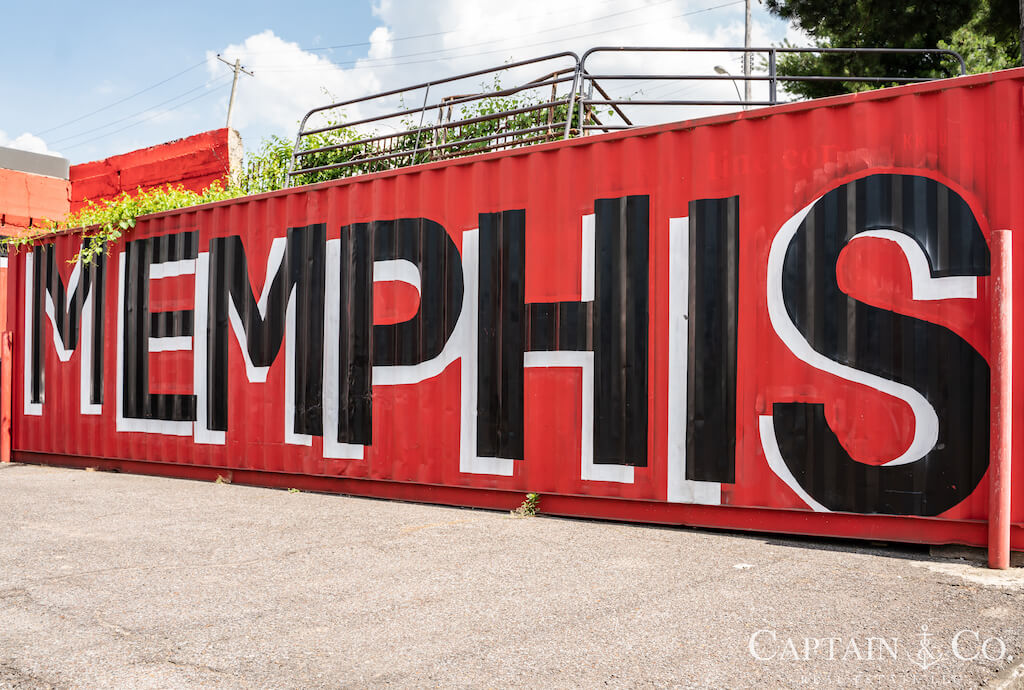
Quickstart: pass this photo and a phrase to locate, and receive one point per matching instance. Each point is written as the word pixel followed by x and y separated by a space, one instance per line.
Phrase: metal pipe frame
pixel 433 128
pixel 580 97
pixel 297 152
pixel 437 147
pixel 773 77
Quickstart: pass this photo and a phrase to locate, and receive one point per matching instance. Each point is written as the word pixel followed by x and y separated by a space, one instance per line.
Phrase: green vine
pixel 266 168
pixel 106 222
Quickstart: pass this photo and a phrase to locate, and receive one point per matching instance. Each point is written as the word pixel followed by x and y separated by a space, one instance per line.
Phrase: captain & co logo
pixel 927 650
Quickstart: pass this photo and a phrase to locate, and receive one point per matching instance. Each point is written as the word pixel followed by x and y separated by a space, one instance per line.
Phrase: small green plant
pixel 294 491
pixel 363 152
pixel 221 479
pixel 529 507
pixel 265 169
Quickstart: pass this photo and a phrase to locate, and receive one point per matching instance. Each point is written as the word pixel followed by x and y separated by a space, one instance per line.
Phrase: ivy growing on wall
pixel 106 221
pixel 266 168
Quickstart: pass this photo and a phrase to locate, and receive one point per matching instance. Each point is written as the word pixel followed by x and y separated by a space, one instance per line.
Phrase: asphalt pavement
pixel 113 580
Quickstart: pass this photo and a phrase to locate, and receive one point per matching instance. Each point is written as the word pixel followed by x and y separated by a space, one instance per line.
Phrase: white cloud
pixel 418 42
pixel 288 81
pixel 26 142
pixel 381 45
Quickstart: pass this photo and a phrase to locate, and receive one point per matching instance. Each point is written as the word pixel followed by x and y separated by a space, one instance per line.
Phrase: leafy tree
pixel 990 40
pixel 985 29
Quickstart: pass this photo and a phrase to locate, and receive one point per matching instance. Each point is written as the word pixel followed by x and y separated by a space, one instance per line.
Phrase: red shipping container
pixel 776 320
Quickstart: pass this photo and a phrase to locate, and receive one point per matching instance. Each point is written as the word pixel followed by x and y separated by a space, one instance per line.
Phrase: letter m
pixel 290 308
pixel 70 309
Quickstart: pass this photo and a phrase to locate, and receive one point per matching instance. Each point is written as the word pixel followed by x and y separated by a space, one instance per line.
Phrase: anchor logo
pixel 926 658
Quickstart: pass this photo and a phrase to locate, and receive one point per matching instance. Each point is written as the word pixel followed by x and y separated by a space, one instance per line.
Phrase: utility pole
pixel 236 68
pixel 747 57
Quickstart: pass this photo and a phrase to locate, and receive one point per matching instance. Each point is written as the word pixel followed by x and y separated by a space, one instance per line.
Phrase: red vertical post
pixel 1002 399
pixel 6 394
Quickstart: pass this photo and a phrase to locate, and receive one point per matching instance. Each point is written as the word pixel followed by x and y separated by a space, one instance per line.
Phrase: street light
pixel 722 70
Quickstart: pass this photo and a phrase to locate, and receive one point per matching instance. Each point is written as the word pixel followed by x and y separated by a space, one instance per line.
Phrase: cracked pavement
pixel 112 580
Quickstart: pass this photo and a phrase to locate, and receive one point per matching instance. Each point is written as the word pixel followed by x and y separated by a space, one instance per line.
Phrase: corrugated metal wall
pixel 777 320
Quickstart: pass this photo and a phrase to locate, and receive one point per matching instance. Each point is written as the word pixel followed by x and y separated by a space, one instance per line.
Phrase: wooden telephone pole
pixel 237 67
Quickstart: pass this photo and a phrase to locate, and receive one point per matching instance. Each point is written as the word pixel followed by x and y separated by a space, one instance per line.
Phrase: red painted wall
pixel 28 200
pixel 949 151
pixel 194 162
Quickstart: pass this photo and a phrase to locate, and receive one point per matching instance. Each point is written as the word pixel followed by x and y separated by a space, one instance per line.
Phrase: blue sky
pixel 89 80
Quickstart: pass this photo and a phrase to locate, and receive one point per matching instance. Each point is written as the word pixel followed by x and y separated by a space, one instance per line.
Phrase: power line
pixel 362 63
pixel 126 98
pixel 381 62
pixel 362 44
pixel 236 68
pixel 393 61
pixel 218 80
pixel 345 45
pixel 145 119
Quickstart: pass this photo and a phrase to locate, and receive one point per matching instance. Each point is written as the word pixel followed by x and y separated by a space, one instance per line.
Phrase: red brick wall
pixel 193 162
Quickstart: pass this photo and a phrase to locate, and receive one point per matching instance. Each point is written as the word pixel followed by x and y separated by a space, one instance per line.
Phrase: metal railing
pixel 447 124
pixel 450 124
pixel 587 103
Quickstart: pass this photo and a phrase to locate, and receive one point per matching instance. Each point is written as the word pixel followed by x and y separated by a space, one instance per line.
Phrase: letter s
pixel 938 374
